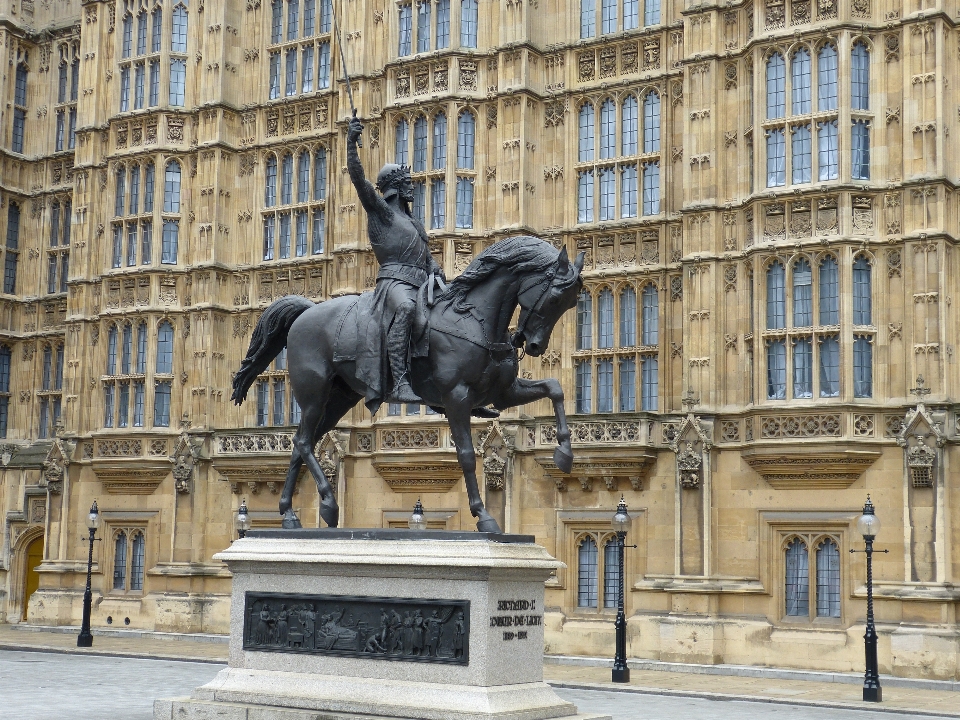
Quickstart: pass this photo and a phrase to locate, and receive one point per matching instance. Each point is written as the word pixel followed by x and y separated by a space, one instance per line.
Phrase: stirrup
pixel 403 393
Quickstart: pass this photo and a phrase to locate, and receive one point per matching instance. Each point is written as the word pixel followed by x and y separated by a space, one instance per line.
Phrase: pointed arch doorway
pixel 33 556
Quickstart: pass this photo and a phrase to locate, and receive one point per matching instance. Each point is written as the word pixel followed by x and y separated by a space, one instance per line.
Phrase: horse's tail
pixel 269 338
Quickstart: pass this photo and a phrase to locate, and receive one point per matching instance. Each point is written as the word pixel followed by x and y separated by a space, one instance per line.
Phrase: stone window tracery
pixel 297 227
pixel 823 575
pixel 592 565
pixel 5 357
pixel 140 64
pixel 129 551
pixel 58 252
pixel 124 379
pixel 615 364
pixel 51 389
pixel 66 108
pixel 19 106
pixel 299 48
pixel 133 211
pixel 605 166
pixel 11 257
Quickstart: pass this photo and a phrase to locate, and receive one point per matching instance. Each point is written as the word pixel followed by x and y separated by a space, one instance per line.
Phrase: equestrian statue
pixel 415 338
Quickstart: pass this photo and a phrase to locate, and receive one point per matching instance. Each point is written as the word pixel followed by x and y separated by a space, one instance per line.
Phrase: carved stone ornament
pixel 689 464
pixel 920 459
pixel 493 467
pixel 184 459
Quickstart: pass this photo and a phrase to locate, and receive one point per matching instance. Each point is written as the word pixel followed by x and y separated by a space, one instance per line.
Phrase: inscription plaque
pixel 383 628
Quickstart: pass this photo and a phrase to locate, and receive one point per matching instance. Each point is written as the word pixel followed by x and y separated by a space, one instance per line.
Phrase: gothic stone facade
pixel 764 198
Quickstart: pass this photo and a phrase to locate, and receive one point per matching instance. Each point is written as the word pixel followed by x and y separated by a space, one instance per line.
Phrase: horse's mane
pixel 523 253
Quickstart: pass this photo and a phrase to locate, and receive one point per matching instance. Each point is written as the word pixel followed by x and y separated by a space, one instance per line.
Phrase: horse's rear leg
pixel 339 402
pixel 458 416
pixel 286 498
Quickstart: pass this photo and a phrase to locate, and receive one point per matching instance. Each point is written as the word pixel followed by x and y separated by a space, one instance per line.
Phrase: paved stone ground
pixel 58 685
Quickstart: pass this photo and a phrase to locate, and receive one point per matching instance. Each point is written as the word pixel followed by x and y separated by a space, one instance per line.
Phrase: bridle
pixel 519 337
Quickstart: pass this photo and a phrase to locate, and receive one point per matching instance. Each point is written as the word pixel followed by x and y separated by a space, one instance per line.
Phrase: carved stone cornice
pixel 816 465
pixel 137 476
pixel 436 471
pixel 607 464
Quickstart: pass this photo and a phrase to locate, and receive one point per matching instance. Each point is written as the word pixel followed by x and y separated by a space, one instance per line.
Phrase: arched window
pixel 136 564
pixel 164 363
pixel 611 573
pixel 320 174
pixel 112 351
pixel 651 316
pixel 860 77
pixel 127 37
pixel 178 38
pixel 803 367
pixel 121 191
pixel 608 129
pixel 286 180
pixel 120 561
pixel 270 194
pixel 126 354
pixel 585 196
pixel 401 156
pixel 466 124
pixel 157 29
pixel 628 317
pixel 439 141
pixel 776 298
pixel 587 573
pixel 290 82
pixel 58 375
pixel 584 321
pixel 608 192
pixel 797 581
pixel 776 86
pixel 829 366
pixel 827 78
pixel 628 191
pixel 802 294
pixel 862 366
pixel 862 294
pixel 828 579
pixel 605 310
pixel 20 109
pixel 303 177
pixel 628 384
pixel 142 32
pixel 171 188
pixel 651 122
pixel 55 223
pixel 586 123
pixel 420 139
pixel 800 81
pixel 629 126
pixel 605 385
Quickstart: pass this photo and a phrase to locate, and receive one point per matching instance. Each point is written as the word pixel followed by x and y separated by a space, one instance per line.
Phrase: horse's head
pixel 543 298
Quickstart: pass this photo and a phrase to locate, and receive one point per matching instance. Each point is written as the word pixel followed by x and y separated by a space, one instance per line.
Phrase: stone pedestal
pixel 429 625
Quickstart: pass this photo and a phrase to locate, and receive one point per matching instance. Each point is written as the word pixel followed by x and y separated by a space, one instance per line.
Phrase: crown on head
pixel 393 177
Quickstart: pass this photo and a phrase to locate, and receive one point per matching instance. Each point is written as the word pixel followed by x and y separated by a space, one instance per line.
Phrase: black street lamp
pixel 868 525
pixel 242 521
pixel 85 639
pixel 417 521
pixel 621 524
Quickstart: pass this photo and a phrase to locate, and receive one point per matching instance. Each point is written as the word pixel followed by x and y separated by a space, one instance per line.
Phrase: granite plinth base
pixel 369 623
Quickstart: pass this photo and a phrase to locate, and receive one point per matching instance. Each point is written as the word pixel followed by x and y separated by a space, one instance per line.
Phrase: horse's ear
pixel 563 262
pixel 579 262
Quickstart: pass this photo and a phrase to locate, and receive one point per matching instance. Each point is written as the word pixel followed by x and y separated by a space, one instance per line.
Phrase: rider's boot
pixel 398 339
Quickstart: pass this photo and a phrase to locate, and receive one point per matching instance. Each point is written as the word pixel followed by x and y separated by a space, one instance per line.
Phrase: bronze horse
pixel 471 362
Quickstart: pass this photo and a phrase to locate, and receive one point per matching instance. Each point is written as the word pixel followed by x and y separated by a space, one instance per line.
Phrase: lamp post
pixel 242 521
pixel 621 524
pixel 85 638
pixel 417 521
pixel 868 525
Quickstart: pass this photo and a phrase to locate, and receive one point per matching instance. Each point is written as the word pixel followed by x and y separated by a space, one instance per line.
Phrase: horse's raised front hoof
pixel 330 512
pixel 290 521
pixel 563 458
